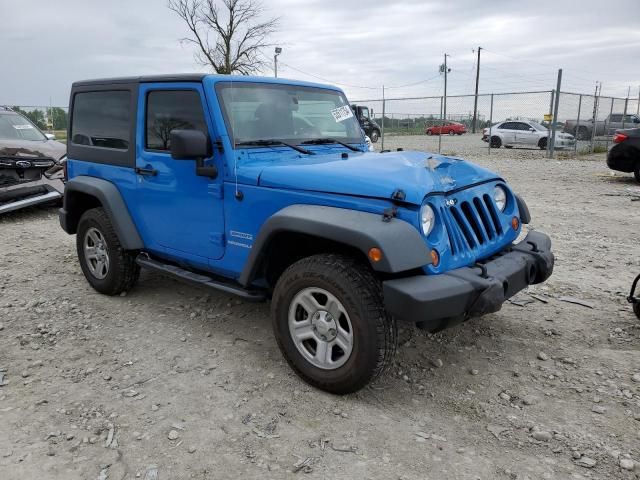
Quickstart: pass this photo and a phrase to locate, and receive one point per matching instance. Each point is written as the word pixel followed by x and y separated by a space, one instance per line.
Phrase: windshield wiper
pixel 273 142
pixel 324 141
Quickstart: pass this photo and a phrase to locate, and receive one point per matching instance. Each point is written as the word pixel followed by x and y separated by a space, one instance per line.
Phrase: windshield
pixel 16 127
pixel 291 113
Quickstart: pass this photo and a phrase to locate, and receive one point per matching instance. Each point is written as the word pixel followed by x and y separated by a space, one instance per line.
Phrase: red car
pixel 451 128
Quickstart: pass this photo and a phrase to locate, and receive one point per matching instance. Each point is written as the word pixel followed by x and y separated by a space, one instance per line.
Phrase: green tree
pixel 58 118
pixel 36 116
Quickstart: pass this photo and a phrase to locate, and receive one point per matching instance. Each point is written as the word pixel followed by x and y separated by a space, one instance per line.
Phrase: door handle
pixel 152 172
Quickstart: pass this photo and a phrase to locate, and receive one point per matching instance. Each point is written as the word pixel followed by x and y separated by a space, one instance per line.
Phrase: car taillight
pixel 619 138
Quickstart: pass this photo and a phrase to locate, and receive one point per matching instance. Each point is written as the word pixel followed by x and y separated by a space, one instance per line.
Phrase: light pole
pixel 278 51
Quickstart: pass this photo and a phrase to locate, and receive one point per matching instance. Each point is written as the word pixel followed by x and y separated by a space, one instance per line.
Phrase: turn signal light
pixel 375 254
pixel 515 223
pixel 435 258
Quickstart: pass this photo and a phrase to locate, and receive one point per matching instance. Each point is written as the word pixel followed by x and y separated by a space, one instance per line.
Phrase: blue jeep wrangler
pixel 263 188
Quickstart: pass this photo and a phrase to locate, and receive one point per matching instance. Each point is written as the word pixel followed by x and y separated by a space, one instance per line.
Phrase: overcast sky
pixel 45 45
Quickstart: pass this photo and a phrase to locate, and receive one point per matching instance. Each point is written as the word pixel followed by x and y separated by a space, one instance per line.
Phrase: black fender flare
pixel 402 246
pixel 111 200
pixel 525 216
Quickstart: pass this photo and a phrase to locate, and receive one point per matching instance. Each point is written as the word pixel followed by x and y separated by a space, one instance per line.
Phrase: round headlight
pixel 427 219
pixel 500 197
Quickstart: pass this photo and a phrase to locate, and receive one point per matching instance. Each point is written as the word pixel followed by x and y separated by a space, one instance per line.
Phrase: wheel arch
pixel 301 230
pixel 83 193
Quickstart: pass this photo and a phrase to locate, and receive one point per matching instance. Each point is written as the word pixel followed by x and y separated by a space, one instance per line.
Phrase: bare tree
pixel 228 34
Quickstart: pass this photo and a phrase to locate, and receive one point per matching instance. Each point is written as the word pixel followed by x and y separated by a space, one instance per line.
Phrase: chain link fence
pixel 591 120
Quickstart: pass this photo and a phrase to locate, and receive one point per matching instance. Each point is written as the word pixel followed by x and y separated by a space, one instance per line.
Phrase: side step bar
pixel 28 202
pixel 181 274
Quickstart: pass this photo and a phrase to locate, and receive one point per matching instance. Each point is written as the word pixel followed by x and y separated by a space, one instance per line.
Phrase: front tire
pixel 108 268
pixel 330 323
pixel 429 132
pixel 496 142
pixel 452 133
pixel 375 135
pixel 542 144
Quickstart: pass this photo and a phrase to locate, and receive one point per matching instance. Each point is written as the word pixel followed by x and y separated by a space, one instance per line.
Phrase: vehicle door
pixel 507 131
pixel 180 212
pixel 526 135
pixel 613 122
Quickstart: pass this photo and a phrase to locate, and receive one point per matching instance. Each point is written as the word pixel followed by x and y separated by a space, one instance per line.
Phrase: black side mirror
pixel 192 145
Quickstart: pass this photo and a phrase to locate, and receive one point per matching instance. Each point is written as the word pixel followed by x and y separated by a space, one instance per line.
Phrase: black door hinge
pixel 389 213
pixel 398 195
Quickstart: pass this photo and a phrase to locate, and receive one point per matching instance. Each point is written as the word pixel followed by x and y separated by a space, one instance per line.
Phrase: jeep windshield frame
pixel 289 113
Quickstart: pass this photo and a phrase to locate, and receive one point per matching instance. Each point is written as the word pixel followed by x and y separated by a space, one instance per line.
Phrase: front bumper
pixel 28 194
pixel 438 301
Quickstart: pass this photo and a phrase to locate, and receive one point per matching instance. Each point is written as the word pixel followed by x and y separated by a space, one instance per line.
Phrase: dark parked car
pixel 624 155
pixel 29 163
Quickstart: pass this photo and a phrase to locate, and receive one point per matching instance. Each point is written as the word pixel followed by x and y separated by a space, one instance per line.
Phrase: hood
pixel 370 174
pixel 32 149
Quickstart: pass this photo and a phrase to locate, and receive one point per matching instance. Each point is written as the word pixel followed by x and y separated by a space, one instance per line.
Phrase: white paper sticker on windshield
pixel 22 127
pixel 340 114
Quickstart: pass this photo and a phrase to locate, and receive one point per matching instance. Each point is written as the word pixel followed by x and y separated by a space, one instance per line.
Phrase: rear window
pixel 101 119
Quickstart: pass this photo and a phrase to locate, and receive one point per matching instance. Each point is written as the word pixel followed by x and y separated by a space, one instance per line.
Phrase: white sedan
pixel 524 133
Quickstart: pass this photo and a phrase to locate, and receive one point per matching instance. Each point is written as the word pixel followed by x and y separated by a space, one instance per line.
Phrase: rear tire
pixel 542 143
pixel 581 133
pixel 496 142
pixel 343 293
pixel 109 268
pixel 636 310
pixel 636 172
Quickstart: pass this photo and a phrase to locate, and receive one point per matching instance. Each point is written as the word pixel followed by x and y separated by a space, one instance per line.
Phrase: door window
pixel 507 126
pixel 169 110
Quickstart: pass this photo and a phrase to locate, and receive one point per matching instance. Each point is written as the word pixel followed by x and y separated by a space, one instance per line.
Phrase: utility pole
pixel 444 69
pixel 475 101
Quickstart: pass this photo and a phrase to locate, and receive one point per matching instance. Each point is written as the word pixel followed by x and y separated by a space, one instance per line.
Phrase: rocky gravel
pixel 174 382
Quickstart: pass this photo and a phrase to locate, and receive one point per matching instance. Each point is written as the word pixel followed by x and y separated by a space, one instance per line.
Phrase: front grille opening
pixel 472 219
pixel 494 215
pixel 484 217
pixel 450 233
pixel 463 228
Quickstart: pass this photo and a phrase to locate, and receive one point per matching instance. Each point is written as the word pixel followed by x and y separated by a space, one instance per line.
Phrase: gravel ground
pixel 174 382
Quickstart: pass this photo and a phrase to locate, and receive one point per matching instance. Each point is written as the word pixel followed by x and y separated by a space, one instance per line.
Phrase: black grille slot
pixel 473 221
pixel 462 225
pixel 484 218
pixel 494 215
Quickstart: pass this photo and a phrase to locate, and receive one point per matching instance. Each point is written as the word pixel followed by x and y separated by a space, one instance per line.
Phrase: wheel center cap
pixel 324 325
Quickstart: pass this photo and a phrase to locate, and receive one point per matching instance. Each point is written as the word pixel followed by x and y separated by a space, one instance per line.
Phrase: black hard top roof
pixel 180 77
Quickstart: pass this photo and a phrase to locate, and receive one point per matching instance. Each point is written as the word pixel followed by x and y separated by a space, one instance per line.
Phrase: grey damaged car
pixel 30 163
